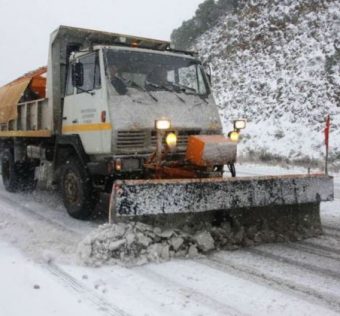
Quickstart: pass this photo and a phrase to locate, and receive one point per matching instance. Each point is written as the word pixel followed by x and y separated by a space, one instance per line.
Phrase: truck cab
pixel 115 94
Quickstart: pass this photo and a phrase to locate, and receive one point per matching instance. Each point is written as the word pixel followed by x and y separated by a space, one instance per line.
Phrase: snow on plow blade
pixel 152 197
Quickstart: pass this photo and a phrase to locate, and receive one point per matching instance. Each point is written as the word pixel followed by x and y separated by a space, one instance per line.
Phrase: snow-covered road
pixel 40 275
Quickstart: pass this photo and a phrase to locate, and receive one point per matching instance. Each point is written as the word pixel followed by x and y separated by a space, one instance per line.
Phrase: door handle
pixel 75 121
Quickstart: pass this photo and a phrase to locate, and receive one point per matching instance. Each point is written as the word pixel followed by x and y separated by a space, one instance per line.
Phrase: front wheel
pixel 76 188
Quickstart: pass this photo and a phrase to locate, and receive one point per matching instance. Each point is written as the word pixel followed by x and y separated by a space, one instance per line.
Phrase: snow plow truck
pixel 135 118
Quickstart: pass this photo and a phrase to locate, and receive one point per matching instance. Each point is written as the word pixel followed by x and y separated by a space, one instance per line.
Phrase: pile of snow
pixel 137 243
pixel 277 64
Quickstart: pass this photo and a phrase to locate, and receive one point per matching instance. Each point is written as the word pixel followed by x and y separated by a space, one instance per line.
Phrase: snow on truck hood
pixel 139 110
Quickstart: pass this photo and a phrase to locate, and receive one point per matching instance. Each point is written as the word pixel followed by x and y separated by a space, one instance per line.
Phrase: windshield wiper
pixel 183 88
pixel 143 89
pixel 165 88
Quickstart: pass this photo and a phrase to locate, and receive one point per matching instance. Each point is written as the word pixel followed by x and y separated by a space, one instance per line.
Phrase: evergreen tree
pixel 206 16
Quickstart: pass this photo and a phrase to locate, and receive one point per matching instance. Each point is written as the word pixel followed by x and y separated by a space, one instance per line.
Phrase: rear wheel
pixel 16 176
pixel 9 172
pixel 76 189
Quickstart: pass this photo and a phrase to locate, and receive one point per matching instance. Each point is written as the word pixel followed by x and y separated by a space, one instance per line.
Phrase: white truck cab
pixel 122 92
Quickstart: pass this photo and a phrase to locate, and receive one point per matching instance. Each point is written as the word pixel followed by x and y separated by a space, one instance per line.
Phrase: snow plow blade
pixel 243 211
pixel 153 197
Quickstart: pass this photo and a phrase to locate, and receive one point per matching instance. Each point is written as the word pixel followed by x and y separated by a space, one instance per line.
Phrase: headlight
pixel 118 165
pixel 171 140
pixel 239 124
pixel 163 124
pixel 234 136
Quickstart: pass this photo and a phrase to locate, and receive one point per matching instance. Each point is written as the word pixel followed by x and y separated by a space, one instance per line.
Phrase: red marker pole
pixel 327 128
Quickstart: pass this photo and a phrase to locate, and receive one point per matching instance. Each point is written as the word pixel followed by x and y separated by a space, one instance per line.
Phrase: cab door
pixel 85 107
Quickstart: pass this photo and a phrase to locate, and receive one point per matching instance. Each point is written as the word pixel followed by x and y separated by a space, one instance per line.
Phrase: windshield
pixel 154 72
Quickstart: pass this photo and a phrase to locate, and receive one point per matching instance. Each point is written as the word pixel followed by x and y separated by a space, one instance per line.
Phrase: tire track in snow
pixel 25 210
pixel 87 294
pixel 321 247
pixel 304 265
pixel 290 287
pixel 317 247
pixel 67 280
pixel 323 252
pixel 336 236
pixel 197 296
pixel 332 228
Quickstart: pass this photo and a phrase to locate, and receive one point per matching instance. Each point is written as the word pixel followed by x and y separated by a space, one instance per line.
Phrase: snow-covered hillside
pixel 277 63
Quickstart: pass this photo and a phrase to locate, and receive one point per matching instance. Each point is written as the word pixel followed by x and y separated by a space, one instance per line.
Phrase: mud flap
pixel 152 197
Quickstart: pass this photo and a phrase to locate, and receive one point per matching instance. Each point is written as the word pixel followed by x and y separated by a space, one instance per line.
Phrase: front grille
pixel 131 139
pixel 146 140
pixel 182 138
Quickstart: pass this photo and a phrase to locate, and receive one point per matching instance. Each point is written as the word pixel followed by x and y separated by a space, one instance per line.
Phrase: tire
pixel 9 172
pixel 16 176
pixel 76 189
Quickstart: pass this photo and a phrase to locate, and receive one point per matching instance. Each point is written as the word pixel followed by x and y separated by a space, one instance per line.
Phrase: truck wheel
pixel 232 169
pixel 25 172
pixel 10 177
pixel 17 176
pixel 76 189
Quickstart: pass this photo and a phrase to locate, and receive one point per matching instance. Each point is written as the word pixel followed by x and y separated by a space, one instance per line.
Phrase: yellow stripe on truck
pixel 86 127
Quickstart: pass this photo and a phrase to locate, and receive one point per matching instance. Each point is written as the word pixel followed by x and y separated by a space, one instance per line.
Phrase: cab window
pixel 91 73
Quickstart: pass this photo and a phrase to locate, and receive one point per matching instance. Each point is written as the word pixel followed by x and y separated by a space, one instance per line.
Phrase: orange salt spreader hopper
pixel 209 150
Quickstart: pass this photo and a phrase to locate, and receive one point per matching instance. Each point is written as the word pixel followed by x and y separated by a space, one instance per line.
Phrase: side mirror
pixel 77 74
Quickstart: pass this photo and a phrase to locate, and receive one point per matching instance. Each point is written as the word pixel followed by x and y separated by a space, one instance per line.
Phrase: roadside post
pixel 327 128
